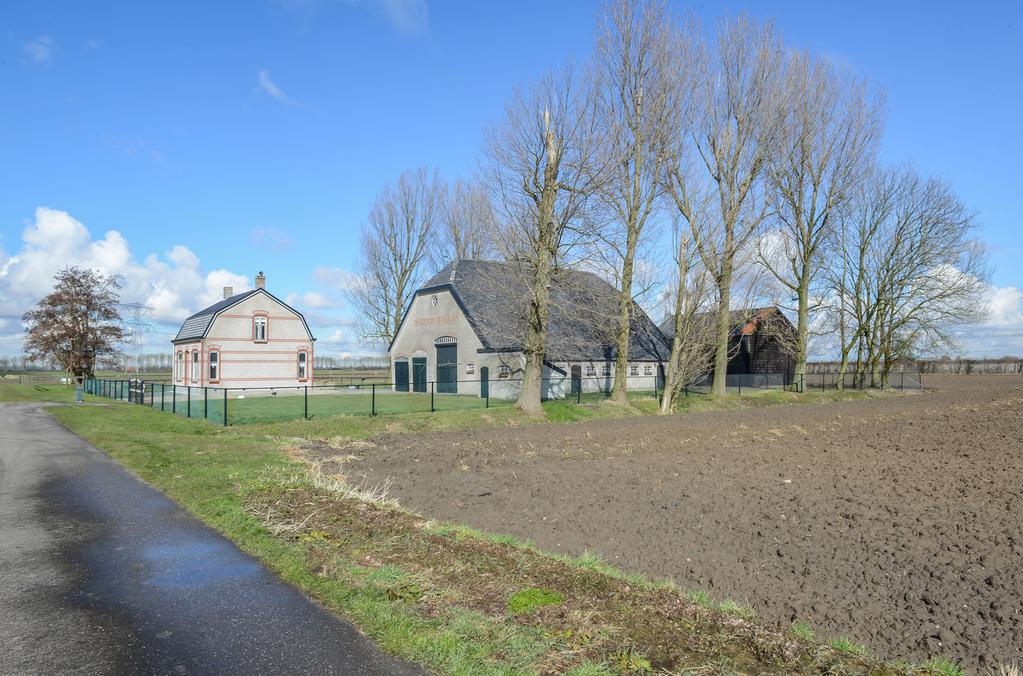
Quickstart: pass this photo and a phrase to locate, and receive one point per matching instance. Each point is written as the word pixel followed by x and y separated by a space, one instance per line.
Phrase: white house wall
pixel 426 322
pixel 245 362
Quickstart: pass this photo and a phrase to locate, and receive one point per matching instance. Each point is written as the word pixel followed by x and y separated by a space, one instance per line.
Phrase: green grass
pixel 528 600
pixel 55 393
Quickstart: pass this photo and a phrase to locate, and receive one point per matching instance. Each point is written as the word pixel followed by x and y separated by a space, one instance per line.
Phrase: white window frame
pixel 180 366
pixel 303 365
pixel 633 369
pixel 260 322
pixel 213 366
pixel 196 373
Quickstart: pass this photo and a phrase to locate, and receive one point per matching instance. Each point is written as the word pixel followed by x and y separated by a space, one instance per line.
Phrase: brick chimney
pixel 260 280
pixel 228 291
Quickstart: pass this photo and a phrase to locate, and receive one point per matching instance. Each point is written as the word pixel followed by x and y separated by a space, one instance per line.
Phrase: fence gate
pixel 136 391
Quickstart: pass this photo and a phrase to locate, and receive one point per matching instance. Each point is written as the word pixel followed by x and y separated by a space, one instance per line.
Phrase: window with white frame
pixel 195 367
pixel 181 366
pixel 648 370
pixel 302 357
pixel 605 370
pixel 504 371
pixel 634 370
pixel 259 329
pixel 591 370
pixel 214 367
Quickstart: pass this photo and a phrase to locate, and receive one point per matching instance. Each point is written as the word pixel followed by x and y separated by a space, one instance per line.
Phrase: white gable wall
pixel 244 362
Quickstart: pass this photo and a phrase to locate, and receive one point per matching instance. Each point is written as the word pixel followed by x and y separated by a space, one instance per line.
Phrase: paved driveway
pixel 100 573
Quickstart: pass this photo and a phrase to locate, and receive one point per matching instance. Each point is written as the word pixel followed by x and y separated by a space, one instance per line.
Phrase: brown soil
pixel 896 521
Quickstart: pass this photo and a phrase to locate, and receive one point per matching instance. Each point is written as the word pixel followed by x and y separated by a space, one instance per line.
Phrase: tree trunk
pixel 724 326
pixel 802 324
pixel 536 335
pixel 619 393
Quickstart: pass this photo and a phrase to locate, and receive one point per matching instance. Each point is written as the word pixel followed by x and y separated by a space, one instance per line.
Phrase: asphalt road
pixel 101 573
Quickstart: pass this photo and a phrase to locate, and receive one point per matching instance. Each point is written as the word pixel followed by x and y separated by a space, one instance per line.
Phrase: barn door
pixel 484 382
pixel 419 374
pixel 447 368
pixel 401 375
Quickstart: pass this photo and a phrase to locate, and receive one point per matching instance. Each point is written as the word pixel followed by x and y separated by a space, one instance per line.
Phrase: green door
pixel 419 374
pixel 447 369
pixel 401 375
pixel 484 382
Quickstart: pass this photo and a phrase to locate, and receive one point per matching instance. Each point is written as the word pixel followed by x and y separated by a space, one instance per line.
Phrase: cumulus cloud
pixel 41 49
pixel 173 284
pixel 267 86
pixel 1002 334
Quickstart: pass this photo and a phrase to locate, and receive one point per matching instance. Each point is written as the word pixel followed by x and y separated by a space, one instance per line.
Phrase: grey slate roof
pixel 196 326
pixel 495 299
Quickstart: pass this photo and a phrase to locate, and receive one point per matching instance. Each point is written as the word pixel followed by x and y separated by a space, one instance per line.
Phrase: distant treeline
pixel 941 366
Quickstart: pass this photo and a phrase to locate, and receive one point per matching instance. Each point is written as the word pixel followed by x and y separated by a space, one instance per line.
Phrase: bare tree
pixel 395 244
pixel 692 344
pixel 734 120
pixel 467 226
pixel 828 138
pixel 540 162
pixel 77 323
pixel 910 272
pixel 635 103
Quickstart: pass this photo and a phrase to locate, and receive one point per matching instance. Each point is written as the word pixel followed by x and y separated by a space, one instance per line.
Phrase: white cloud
pixel 173 284
pixel 311 299
pixel 409 17
pixel 337 279
pixel 267 86
pixel 1002 334
pixel 41 49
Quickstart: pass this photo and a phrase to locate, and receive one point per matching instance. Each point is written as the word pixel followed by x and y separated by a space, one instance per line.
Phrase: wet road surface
pixel 101 573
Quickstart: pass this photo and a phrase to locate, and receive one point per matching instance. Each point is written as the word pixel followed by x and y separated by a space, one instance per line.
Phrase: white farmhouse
pixel 249 339
pixel 463 333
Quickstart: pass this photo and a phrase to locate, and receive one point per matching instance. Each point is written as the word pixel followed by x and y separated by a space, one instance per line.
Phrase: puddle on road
pixel 194 564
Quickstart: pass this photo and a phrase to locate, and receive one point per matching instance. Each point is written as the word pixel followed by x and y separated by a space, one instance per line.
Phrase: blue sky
pixel 256 134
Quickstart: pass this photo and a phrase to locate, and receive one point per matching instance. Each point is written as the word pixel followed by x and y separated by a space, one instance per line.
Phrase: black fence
pixel 229 406
pixel 896 380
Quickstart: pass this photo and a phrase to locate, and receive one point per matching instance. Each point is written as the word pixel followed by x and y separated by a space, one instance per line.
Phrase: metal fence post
pixel 205 403
pixel 225 407
pixel 432 409
pixel 306 397
pixel 174 398
pixel 740 386
pixel 163 396
pixel 188 393
pixel 373 400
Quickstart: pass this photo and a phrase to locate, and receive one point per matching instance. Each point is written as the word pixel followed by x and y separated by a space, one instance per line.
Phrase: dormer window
pixel 259 329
